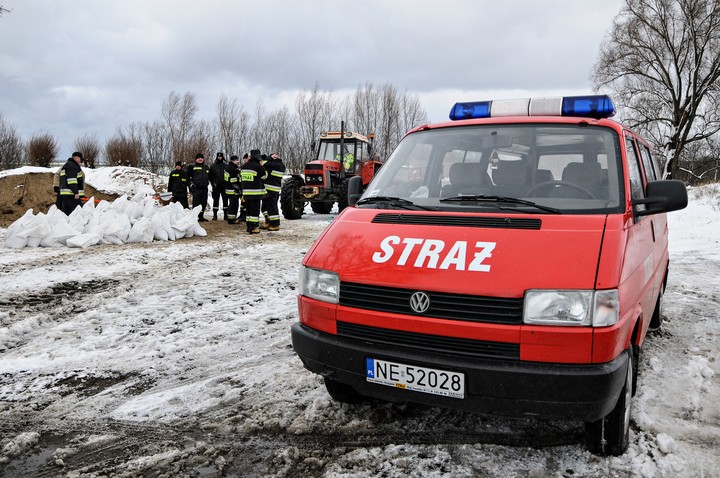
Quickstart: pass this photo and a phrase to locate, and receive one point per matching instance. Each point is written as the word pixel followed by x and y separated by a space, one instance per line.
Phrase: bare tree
pixel 42 149
pixel 156 148
pixel 386 113
pixel 199 139
pixel 3 10
pixel 11 145
pixel 412 114
pixel 662 61
pixel 179 115
pixel 123 150
pixel 281 125
pixel 233 124
pixel 367 110
pixel 89 146
pixel 316 112
pixel 260 131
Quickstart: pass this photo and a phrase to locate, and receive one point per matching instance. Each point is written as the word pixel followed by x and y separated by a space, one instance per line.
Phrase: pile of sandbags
pixel 139 219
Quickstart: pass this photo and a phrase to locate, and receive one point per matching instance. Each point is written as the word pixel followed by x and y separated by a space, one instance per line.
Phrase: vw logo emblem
pixel 419 302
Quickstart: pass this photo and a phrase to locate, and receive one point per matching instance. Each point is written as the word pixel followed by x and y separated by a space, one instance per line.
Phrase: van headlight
pixel 319 284
pixel 571 307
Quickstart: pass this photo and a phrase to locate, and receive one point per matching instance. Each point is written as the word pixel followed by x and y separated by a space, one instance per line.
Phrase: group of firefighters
pixel 246 188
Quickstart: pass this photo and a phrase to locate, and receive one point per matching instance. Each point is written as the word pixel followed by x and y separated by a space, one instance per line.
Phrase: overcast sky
pixel 78 67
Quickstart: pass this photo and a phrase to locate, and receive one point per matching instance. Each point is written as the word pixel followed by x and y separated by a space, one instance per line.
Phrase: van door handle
pixel 652 229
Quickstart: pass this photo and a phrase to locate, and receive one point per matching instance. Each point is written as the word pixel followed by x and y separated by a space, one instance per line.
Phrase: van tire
pixel 611 434
pixel 342 392
pixel 657 318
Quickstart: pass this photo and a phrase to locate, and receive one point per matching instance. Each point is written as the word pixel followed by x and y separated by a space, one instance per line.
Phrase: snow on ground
pixel 174 359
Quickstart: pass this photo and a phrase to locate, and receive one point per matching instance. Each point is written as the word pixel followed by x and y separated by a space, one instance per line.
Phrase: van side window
pixel 651 167
pixel 636 183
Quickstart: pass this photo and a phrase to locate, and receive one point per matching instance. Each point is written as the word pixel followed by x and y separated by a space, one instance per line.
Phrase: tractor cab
pixel 347 151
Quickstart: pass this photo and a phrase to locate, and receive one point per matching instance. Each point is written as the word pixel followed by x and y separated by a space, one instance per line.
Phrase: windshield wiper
pixel 390 200
pixel 511 200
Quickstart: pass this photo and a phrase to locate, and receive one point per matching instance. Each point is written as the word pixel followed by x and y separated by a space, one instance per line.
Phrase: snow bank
pixel 139 219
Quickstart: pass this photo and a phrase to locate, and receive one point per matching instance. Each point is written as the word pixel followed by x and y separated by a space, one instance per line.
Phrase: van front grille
pixel 470 308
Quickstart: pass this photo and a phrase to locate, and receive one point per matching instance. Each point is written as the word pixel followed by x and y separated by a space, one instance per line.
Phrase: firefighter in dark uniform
pixel 253 190
pixel 178 185
pixel 72 184
pixel 233 189
pixel 199 178
pixel 275 170
pixel 217 181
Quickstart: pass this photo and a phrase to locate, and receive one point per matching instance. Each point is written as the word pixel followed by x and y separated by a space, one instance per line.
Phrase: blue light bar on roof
pixel 591 106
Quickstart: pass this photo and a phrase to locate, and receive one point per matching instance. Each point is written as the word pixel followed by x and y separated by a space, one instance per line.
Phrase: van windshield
pixel 549 167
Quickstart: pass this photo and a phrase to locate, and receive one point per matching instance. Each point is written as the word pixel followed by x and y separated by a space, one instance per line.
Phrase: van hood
pixel 493 254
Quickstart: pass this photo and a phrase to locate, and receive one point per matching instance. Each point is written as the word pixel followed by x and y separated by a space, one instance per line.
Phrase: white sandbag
pixel 142 231
pixel 143 191
pixel 14 241
pixel 161 234
pixel 133 211
pixel 103 205
pixel 116 226
pixel 78 220
pixel 96 227
pixel 112 240
pixel 83 240
pixel 199 231
pixel 14 238
pixel 22 222
pixel 123 227
pixel 120 204
pixel 36 233
pixel 60 230
pixel 89 205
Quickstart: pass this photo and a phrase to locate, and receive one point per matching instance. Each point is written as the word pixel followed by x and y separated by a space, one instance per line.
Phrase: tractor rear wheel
pixel 292 202
pixel 343 197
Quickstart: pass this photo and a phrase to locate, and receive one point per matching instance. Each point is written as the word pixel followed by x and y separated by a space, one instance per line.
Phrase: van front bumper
pixel 586 392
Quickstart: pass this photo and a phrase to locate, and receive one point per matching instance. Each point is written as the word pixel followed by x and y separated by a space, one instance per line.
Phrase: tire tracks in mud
pixel 61 447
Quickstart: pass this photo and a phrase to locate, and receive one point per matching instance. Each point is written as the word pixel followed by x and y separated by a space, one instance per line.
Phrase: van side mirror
pixel 355 190
pixel 663 196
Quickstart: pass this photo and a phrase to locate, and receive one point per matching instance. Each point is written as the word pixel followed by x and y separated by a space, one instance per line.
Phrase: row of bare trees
pixel 180 133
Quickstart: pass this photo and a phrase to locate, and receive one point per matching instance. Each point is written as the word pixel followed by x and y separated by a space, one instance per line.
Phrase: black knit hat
pixel 199 155
pixel 234 157
pixel 255 154
pixel 178 163
pixel 78 154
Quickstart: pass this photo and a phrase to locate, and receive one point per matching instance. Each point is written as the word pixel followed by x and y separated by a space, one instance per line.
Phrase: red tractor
pixel 339 156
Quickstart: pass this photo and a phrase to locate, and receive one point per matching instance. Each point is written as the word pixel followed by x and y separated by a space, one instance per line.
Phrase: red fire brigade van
pixel 509 261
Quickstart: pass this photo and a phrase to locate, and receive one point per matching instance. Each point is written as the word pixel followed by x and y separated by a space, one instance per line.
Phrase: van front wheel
pixel 611 434
pixel 657 318
pixel 342 392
